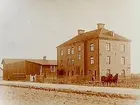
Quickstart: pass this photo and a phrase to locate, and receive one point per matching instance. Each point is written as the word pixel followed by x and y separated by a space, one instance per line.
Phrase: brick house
pixel 97 52
pixel 17 69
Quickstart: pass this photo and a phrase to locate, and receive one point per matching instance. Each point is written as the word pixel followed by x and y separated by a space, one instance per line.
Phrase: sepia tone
pixel 96 41
pixel 82 52
pixel 21 69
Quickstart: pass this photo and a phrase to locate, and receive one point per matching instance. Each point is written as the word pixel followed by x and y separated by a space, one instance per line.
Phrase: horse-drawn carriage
pixel 108 80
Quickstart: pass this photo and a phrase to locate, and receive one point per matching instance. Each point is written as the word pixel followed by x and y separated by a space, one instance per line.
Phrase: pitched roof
pixel 101 33
pixel 43 62
pixel 9 60
pixel 38 61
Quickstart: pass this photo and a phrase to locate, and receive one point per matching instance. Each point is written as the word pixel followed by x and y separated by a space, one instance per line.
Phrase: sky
pixel 33 28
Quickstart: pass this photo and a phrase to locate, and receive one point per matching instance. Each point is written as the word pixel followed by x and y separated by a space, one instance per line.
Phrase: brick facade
pixel 83 67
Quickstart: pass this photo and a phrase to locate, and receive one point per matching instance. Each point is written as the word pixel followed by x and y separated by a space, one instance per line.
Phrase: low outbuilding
pixel 19 69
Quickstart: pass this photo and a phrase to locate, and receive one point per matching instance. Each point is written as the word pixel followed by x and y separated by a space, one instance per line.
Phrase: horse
pixel 107 79
pixel 115 79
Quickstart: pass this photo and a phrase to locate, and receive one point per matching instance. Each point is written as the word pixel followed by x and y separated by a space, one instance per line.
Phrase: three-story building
pixel 98 52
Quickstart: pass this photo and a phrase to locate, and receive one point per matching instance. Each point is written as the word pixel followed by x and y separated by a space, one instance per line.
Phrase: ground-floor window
pixel 82 72
pixel 107 72
pixel 61 73
pixel 68 73
pixel 78 70
pixel 123 73
pixel 72 73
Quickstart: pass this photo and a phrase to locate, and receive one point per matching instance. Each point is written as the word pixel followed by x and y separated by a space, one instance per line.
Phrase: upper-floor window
pixel 122 47
pixel 91 60
pixel 68 62
pixel 91 47
pixel 122 60
pixel 79 56
pixel 72 50
pixel 61 63
pixel 72 61
pixel 61 52
pixel 79 48
pixel 108 60
pixel 68 50
pixel 108 46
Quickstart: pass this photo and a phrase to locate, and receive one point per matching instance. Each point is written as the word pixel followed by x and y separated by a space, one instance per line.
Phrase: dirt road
pixel 26 96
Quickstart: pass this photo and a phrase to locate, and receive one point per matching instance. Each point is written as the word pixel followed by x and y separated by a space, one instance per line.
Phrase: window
pixel 108 46
pixel 72 50
pixel 89 71
pixel 51 67
pixel 82 72
pixel 61 63
pixel 123 73
pixel 72 73
pixel 72 61
pixel 68 51
pixel 122 60
pixel 68 62
pixel 68 73
pixel 108 60
pixel 40 69
pixel 79 56
pixel 122 47
pixel 79 48
pixel 61 52
pixel 91 47
pixel 91 60
pixel 107 72
pixel 78 70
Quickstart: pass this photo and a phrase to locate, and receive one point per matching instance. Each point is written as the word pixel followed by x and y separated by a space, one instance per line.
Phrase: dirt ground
pixel 26 96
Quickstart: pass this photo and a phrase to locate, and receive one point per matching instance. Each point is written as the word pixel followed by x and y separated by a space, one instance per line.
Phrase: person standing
pixel 93 79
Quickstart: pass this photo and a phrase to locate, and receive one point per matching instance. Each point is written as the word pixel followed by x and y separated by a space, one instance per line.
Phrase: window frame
pixel 51 67
pixel 72 61
pixel 72 73
pixel 107 71
pixel 122 47
pixel 79 56
pixel 79 48
pixel 108 46
pixel 122 60
pixel 61 52
pixel 92 60
pixel 72 50
pixel 68 62
pixel 69 51
pixel 108 60
pixel 91 47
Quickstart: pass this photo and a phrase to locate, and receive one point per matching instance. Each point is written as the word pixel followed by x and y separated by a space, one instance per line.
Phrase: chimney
pixel 100 25
pixel 112 33
pixel 44 57
pixel 80 31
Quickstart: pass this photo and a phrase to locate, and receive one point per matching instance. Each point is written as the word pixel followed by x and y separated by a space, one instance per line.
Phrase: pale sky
pixel 33 28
